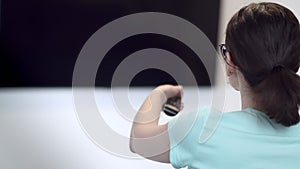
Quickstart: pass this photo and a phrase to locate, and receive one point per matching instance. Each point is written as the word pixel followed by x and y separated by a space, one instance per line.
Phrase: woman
pixel 262 52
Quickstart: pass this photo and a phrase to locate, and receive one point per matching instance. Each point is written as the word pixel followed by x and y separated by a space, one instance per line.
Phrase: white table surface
pixel 39 128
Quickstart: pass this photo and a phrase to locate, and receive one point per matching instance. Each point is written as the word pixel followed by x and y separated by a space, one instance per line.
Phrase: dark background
pixel 41 39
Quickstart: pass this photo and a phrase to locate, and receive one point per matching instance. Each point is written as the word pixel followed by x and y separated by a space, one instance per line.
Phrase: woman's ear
pixel 232 73
pixel 230 67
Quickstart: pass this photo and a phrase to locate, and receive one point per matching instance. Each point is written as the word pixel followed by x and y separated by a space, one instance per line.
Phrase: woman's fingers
pixel 181 106
pixel 171 90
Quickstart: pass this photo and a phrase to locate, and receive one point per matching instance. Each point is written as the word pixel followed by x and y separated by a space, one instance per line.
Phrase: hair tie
pixel 278 67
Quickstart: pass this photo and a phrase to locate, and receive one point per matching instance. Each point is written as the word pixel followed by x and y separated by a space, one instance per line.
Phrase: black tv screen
pixel 41 40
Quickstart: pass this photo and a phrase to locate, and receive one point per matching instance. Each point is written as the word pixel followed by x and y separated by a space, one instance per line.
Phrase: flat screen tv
pixel 40 40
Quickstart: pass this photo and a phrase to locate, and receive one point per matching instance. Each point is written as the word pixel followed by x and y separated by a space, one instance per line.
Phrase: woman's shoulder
pixel 252 121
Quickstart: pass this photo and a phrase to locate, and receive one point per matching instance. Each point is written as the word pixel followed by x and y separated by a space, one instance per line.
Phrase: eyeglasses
pixel 223 51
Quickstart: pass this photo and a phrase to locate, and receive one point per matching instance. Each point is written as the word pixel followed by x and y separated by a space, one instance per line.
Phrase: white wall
pixel 227 9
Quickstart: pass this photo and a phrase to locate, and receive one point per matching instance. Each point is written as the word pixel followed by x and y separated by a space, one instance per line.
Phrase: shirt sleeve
pixel 184 131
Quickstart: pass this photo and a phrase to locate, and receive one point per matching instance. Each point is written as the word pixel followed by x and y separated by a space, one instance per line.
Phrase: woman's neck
pixel 249 100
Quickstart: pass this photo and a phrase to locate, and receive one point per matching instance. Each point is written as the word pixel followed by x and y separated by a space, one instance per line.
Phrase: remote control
pixel 172 107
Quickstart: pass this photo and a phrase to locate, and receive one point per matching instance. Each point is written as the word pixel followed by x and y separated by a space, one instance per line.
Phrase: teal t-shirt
pixel 245 139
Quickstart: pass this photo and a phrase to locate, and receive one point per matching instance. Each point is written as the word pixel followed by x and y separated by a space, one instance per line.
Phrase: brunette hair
pixel 264 42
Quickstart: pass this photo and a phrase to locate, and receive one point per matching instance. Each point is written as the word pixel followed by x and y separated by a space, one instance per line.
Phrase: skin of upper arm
pixel 143 140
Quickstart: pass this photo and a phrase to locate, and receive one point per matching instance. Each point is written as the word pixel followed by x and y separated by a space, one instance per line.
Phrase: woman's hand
pixel 169 91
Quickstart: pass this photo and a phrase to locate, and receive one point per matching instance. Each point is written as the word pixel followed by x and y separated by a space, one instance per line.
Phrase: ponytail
pixel 279 95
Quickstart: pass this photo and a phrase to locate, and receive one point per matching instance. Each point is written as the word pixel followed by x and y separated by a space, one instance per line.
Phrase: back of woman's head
pixel 264 42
